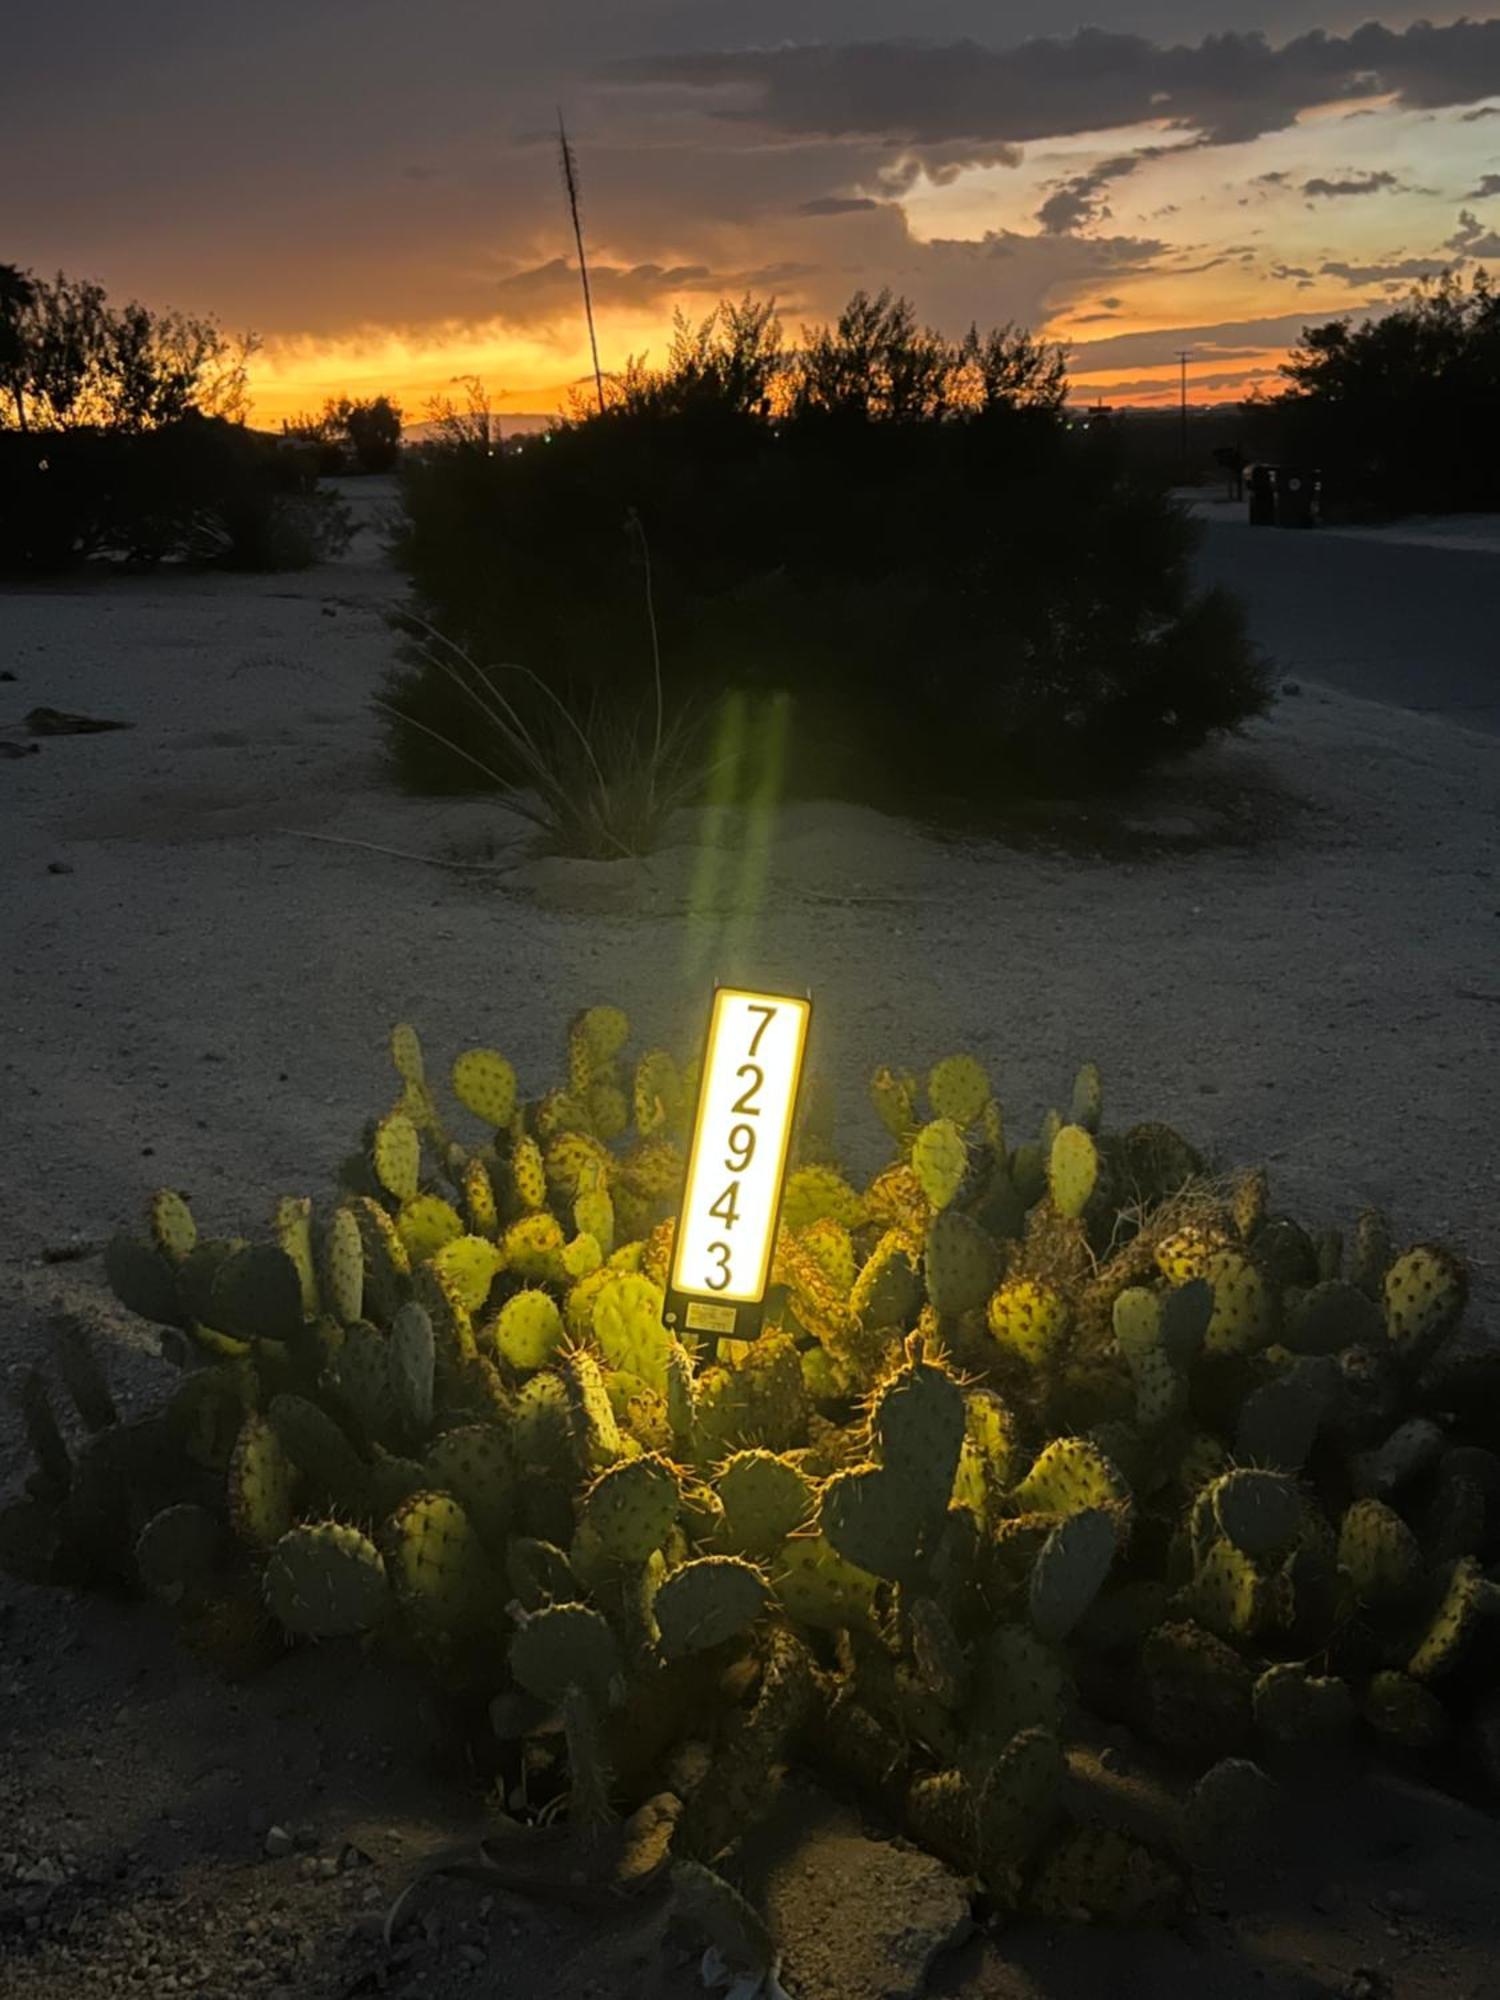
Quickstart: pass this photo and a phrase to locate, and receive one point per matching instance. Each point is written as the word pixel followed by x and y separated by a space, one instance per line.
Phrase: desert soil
pixel 1288 949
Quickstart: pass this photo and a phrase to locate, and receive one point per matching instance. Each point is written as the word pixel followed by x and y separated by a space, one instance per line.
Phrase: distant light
pixel 742 1134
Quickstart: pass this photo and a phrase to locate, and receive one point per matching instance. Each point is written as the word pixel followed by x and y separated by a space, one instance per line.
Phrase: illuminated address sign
pixel 741 1136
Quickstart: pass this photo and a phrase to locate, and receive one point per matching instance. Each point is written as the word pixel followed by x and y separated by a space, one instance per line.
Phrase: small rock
pixel 1291 687
pixel 279 1843
pixel 59 868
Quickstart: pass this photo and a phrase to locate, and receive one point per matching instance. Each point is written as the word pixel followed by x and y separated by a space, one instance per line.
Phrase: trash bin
pixel 1261 480
pixel 1296 497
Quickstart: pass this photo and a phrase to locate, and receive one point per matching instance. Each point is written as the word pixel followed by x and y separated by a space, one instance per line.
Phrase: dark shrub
pixel 962 594
pixel 201 489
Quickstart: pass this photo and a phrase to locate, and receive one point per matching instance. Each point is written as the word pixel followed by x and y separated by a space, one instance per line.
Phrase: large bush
pixel 1039 1429
pixel 962 593
pixel 199 489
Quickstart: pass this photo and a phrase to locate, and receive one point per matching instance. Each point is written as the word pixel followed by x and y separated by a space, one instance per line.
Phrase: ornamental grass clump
pixel 1039 1429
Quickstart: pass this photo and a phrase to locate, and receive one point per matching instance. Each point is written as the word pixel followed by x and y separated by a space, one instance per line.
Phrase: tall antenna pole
pixel 1182 358
pixel 570 181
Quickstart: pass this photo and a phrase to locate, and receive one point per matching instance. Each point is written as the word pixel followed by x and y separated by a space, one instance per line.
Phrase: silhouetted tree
pixel 17 298
pixel 70 359
pixel 372 428
pixel 1401 412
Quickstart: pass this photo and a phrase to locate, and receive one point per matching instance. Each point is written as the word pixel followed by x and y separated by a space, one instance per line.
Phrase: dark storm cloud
pixel 537 295
pixel 1218 345
pixel 1472 239
pixel 1080 199
pixel 1489 184
pixel 1228 86
pixel 1372 183
pixel 1399 269
pixel 837 204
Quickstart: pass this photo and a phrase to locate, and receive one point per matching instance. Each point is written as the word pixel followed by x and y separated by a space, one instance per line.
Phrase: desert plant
pixel 962 598
pixel 1037 1423
pixel 597 780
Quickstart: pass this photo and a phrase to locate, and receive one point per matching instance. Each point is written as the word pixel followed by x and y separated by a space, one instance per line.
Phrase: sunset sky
pixel 371 186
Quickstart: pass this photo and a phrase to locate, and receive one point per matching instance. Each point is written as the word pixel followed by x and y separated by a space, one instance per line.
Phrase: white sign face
pixel 741 1137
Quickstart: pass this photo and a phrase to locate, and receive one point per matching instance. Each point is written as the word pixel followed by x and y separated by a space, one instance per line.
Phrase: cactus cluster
pixel 1035 1427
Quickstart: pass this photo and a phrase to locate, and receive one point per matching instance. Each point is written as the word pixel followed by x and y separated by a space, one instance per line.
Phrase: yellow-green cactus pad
pixel 1072 1170
pixel 1424 1292
pixel 958 1089
pixel 485 1083
pixel 406 1053
pixel 533 1249
pixel 426 1223
pixel 817 1587
pixel 628 1328
pixel 1030 1318
pixel 1244 1314
pixel 470 1264
pixel 261 1481
pixel 528 1330
pixel 173 1229
pixel 939 1160
pixel 344 1266
pixel 437 1566
pixel 1186 1253
pixel 528 1174
pixel 479 1198
pixel 811 1193
pixel 397 1155
pixel 292 1226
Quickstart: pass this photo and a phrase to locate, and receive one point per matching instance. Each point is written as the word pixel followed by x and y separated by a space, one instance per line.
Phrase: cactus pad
pixel 397 1155
pixel 631 1506
pixel 939 1160
pixel 1030 1318
pixel 484 1083
pixel 1070 1476
pixel 1424 1292
pixel 706 1602
pixel 958 1090
pixel 261 1481
pixel 1070 1570
pixel 1072 1170
pixel 764 1499
pixel 326 1582
pixel 565 1646
pixel 437 1566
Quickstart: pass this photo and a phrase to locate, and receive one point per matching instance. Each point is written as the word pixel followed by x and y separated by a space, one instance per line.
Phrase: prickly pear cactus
pixel 1032 1427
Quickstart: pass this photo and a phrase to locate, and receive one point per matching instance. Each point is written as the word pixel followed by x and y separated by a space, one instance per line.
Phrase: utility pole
pixel 1182 362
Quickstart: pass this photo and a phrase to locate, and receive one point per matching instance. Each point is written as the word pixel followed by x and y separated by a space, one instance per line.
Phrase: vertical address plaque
pixel 726 1227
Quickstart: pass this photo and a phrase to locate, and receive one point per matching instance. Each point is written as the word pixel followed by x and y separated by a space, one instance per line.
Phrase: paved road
pixel 1418 627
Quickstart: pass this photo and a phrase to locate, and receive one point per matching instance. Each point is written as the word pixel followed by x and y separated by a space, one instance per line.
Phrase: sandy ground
pixel 1289 950
pixel 1475 533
